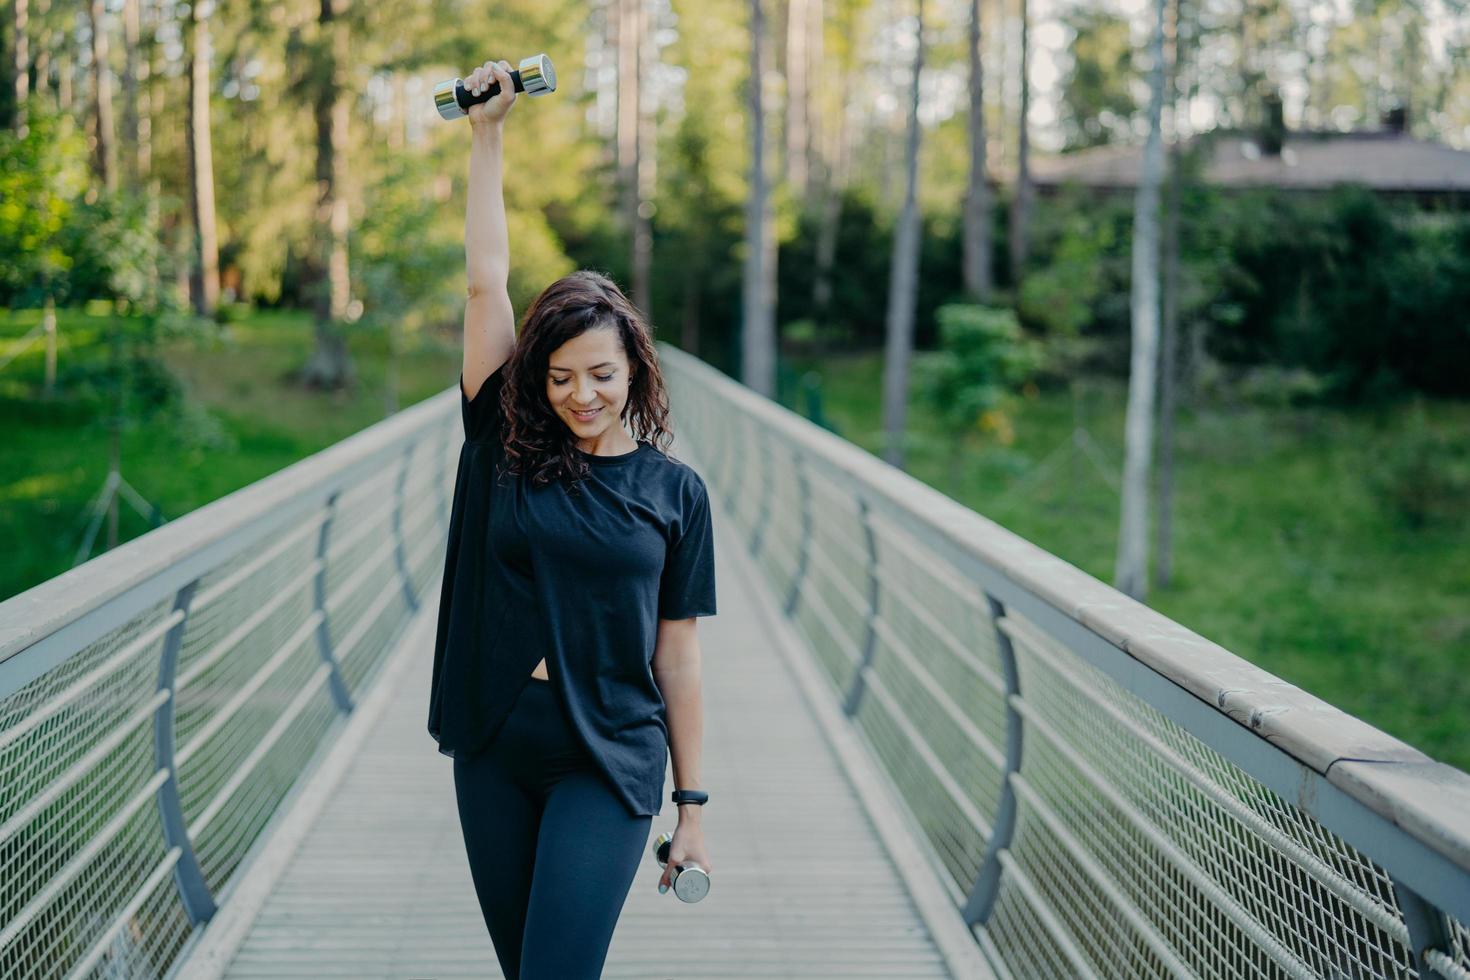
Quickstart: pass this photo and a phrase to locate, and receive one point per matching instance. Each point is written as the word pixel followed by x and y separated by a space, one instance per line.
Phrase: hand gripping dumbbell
pixel 535 76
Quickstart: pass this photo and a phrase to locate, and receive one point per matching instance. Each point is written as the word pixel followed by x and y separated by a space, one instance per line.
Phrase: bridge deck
pixel 379 886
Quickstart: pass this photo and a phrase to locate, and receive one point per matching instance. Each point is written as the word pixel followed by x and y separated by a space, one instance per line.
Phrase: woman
pixel 566 665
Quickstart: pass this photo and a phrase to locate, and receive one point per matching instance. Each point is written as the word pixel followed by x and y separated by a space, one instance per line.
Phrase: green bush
pixel 983 359
pixel 1424 479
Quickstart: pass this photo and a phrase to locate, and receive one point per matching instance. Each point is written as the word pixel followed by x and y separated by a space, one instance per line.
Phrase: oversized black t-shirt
pixel 579 579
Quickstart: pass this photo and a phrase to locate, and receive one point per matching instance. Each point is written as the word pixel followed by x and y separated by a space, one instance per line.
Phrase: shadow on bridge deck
pixel 373 881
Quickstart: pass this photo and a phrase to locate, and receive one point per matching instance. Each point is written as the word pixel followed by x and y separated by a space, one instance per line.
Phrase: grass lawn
pixel 54 456
pixel 1283 552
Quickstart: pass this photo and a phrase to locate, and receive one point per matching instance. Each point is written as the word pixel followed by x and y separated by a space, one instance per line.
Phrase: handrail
pixel 120 837
pixel 1364 836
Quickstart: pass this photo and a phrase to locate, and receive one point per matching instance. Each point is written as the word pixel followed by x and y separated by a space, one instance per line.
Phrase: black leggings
pixel 552 849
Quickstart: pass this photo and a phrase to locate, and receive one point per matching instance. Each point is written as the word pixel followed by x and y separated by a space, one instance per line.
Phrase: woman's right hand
pixel 496 109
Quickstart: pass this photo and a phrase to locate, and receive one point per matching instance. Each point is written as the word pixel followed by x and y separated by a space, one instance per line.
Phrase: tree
pixel 903 278
pixel 201 163
pixel 20 65
pixel 1021 197
pixel 1131 570
pixel 102 88
pixel 758 331
pixel 798 24
pixel 330 366
pixel 977 197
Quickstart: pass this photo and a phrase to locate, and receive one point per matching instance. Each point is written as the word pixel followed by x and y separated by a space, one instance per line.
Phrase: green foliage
pixel 1373 296
pixel 408 261
pixel 1424 477
pixel 970 382
pixel 42 180
pixel 1367 296
pixel 1084 264
pixel 1097 99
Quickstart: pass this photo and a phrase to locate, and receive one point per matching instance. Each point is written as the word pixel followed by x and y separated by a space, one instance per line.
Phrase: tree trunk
pixel 628 50
pixel 834 169
pixel 43 48
pixel 758 334
pixel 201 165
pixel 903 280
pixel 1131 571
pixel 330 366
pixel 815 52
pixel 1169 369
pixel 102 86
pixel 1021 199
pixel 65 87
pixel 132 124
pixel 646 172
pixel 22 65
pixel 797 23
pixel 977 197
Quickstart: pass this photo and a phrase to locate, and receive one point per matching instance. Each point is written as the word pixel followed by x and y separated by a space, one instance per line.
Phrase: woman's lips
pixel 586 417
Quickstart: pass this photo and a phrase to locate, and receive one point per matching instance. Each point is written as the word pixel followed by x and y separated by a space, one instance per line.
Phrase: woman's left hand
pixel 687 847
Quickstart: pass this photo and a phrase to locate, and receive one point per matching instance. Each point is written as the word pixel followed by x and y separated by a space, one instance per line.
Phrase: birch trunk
pixel 903 280
pixel 201 164
pixel 977 197
pixel 758 335
pixel 329 365
pixel 1131 570
pixel 102 87
pixel 1021 198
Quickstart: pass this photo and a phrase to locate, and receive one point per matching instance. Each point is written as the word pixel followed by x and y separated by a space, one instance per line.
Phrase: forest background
pixel 232 233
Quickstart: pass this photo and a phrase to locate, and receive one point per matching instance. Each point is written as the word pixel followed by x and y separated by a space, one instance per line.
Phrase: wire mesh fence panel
pixel 159 703
pixel 1103 792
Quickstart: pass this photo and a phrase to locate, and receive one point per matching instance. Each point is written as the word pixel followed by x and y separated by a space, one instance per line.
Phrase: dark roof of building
pixel 1384 161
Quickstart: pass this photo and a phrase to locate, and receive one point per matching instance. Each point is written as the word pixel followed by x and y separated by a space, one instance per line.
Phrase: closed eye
pixel 563 381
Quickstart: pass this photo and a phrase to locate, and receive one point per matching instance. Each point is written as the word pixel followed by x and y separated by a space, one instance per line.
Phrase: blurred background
pixel 1179 290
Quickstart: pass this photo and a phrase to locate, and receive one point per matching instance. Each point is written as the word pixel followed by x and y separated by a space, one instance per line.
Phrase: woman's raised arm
pixel 489 320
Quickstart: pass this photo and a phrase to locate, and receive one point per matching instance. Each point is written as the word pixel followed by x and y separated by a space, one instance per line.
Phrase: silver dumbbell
pixel 535 76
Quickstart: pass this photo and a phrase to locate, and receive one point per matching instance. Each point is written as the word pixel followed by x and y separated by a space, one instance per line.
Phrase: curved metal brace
pixel 763 516
pixel 335 682
pixel 189 881
pixel 803 548
pixel 870 621
pixel 981 902
pixel 1426 928
pixel 400 552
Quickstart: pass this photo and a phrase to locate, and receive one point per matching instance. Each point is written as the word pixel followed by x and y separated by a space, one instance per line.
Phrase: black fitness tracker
pixel 698 796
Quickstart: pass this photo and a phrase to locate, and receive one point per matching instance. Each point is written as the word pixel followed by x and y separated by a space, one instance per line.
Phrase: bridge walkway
pixel 379 886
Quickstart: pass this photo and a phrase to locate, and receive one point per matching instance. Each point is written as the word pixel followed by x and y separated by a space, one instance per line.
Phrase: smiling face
pixel 587 381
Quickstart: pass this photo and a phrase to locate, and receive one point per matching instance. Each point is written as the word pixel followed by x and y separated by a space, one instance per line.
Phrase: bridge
pixel 933 750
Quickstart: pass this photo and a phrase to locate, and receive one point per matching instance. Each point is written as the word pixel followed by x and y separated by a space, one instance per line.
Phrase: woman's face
pixel 589 374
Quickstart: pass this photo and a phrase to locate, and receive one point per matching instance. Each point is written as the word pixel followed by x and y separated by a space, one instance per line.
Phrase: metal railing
pixel 1103 792
pixel 158 703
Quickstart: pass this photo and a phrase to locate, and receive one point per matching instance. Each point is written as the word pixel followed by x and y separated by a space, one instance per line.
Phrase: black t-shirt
pixel 579 579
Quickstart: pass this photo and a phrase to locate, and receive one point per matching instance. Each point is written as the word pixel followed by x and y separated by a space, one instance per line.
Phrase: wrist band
pixel 689 796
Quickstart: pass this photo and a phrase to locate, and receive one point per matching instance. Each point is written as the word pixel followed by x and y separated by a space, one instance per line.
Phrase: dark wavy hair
pixel 536 440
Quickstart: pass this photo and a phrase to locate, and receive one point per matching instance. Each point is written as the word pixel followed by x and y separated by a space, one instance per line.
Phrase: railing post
pixel 1426 928
pixel 338 686
pixel 731 470
pixel 189 880
pixel 400 552
pixel 763 516
pixel 803 492
pixel 441 485
pixel 987 883
pixel 870 621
